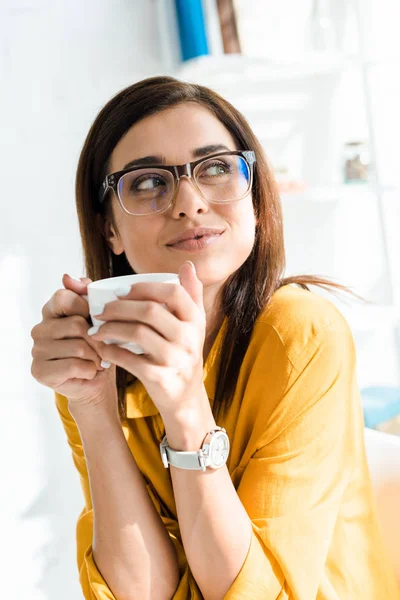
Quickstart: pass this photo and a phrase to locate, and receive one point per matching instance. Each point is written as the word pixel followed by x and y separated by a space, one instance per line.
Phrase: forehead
pixel 172 133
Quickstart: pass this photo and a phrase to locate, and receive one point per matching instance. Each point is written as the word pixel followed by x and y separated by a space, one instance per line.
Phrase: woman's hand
pixel 172 367
pixel 65 358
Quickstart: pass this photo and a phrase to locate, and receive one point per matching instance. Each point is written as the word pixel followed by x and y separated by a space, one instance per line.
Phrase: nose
pixel 187 201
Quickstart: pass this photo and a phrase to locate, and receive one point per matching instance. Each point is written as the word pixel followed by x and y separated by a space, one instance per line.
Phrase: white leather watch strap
pixel 186 460
pixel 195 461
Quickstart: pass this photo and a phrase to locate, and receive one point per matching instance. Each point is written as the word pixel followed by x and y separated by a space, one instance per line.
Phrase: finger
pixel 78 286
pixel 58 329
pixel 74 327
pixel 191 283
pixel 175 297
pixel 150 313
pixel 65 303
pixel 71 327
pixel 60 349
pixel 151 342
pixel 136 364
pixel 55 373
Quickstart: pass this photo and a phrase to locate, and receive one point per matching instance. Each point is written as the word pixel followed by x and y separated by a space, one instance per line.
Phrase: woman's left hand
pixel 172 367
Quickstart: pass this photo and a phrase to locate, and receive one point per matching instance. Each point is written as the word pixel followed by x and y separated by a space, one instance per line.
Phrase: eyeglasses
pixel 220 178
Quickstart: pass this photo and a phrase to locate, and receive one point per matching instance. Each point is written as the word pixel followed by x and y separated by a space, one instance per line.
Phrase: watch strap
pixel 191 460
pixel 186 460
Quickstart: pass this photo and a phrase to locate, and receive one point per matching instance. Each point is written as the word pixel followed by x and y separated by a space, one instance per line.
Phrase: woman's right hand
pixel 65 358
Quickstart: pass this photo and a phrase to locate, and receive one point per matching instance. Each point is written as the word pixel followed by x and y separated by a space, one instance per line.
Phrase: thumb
pixel 191 283
pixel 79 286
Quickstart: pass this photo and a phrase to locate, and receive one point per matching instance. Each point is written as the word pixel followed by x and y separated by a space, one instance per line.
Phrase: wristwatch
pixel 213 453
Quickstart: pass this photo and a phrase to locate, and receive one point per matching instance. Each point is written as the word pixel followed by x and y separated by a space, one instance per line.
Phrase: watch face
pixel 219 449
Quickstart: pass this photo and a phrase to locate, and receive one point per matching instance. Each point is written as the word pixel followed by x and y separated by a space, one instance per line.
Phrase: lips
pixel 192 234
pixel 196 244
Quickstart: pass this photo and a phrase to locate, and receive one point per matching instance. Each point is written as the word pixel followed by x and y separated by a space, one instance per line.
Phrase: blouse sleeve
pixel 93 585
pixel 293 484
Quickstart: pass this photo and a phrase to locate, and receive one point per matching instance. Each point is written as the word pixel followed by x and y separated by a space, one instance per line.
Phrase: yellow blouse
pixel 297 461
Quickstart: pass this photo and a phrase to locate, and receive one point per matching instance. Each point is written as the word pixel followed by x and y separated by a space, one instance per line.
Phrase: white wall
pixel 59 63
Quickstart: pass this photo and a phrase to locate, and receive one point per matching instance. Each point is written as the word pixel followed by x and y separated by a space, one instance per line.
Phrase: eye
pixel 215 169
pixel 147 182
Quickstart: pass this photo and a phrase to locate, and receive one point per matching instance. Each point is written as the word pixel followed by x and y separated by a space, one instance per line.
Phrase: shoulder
pixel 301 319
pixel 301 352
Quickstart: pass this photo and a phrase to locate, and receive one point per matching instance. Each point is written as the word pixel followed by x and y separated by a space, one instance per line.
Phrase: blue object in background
pixel 380 404
pixel 192 30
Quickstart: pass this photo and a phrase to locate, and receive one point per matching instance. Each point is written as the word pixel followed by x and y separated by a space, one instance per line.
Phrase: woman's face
pixel 175 134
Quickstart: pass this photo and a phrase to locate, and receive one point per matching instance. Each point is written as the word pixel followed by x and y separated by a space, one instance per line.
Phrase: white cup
pixel 102 292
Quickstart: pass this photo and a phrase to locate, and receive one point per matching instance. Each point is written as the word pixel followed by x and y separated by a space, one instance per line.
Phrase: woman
pixel 289 512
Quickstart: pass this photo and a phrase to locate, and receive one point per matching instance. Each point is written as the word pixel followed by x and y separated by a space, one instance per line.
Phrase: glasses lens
pixel 223 178
pixel 146 191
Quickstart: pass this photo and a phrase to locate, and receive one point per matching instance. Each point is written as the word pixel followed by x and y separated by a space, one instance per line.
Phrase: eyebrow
pixel 158 159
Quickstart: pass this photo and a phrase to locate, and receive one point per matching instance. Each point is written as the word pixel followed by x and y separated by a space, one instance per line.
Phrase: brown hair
pixel 248 290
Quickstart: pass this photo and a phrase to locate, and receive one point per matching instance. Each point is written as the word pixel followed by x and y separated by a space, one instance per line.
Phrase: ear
pixel 109 232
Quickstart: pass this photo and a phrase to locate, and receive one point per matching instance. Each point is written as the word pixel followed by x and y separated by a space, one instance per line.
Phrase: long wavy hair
pixel 249 289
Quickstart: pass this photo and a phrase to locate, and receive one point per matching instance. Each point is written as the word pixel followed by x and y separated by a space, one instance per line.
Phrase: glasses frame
pixel 111 181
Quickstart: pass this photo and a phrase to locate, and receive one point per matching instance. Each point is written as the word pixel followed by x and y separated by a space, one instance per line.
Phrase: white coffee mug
pixel 102 292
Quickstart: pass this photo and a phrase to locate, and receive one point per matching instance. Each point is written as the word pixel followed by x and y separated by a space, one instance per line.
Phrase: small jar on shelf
pixel 287 182
pixel 357 162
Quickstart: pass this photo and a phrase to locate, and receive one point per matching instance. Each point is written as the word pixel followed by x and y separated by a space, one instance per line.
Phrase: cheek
pixel 242 217
pixel 139 235
pixel 242 223
pixel 247 227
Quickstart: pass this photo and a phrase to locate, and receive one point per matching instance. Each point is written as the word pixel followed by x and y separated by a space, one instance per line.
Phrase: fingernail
pixel 93 330
pixel 123 291
pixel 105 364
pixel 76 278
pixel 97 309
pixel 192 265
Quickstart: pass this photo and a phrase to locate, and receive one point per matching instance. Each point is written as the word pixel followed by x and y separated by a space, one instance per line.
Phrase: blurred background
pixel 319 82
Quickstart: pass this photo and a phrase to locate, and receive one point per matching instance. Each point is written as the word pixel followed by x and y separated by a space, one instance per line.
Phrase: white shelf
pixel 230 67
pixel 330 193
